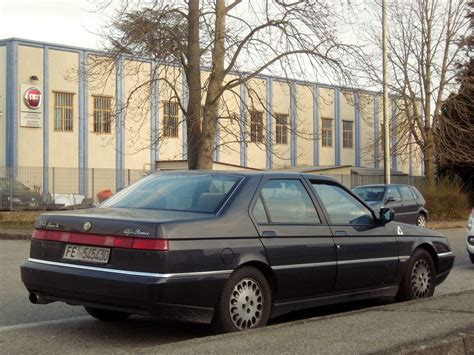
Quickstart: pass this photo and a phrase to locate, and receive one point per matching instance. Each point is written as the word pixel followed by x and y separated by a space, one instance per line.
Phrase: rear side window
pixel 407 193
pixel 287 202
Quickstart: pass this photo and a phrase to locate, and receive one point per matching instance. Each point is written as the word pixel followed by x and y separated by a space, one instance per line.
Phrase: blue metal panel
pixel 394 135
pixel 376 132
pixel 45 121
pixel 119 136
pixel 83 124
pixel 185 101
pixel 243 125
pixel 337 126
pixel 293 122
pixel 269 123
pixel 358 147
pixel 12 106
pixel 316 125
pixel 154 108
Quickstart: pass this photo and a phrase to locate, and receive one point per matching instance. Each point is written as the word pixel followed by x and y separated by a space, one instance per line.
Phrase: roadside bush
pixel 447 200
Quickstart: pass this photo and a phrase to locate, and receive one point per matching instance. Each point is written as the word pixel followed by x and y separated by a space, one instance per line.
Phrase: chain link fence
pixel 23 188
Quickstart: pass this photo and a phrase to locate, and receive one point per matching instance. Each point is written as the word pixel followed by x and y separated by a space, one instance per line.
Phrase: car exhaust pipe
pixel 37 299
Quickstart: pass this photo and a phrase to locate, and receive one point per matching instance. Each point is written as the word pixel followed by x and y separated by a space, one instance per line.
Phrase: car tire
pixel 106 315
pixel 471 256
pixel 421 220
pixel 245 302
pixel 419 279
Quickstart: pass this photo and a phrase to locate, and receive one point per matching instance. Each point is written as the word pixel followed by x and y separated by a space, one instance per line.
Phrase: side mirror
pixel 386 215
pixel 390 199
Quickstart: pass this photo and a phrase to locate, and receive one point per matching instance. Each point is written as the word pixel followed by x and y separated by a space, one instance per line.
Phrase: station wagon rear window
pixel 203 193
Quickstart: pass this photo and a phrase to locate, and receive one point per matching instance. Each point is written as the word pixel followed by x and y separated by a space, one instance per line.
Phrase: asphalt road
pixel 56 327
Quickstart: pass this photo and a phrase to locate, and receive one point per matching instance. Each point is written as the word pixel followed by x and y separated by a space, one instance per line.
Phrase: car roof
pixel 381 185
pixel 242 173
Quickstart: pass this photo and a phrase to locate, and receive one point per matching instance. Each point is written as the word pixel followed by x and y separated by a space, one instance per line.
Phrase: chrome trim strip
pixel 372 260
pixel 297 266
pixel 231 194
pixel 442 255
pixel 127 272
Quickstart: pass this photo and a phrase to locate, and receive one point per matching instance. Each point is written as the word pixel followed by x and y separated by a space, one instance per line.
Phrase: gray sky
pixel 67 22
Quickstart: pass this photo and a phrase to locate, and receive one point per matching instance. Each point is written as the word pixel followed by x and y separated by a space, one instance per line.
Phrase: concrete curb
pixel 459 342
pixel 15 236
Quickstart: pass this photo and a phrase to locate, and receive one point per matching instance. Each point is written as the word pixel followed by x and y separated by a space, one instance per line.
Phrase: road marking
pixel 42 323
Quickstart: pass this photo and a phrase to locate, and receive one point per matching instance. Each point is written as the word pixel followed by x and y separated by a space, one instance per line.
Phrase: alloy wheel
pixel 421 279
pixel 246 304
pixel 421 221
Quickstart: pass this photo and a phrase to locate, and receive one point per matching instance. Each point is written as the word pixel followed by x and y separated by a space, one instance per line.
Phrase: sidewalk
pixel 15 234
pixel 440 325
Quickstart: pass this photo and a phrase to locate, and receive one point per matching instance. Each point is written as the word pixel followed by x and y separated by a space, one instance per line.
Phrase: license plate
pixel 87 253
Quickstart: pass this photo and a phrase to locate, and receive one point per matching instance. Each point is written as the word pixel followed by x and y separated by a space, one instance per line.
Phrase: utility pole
pixel 386 128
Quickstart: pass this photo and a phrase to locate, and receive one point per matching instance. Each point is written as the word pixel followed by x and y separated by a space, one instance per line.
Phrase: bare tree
pixel 423 52
pixel 235 42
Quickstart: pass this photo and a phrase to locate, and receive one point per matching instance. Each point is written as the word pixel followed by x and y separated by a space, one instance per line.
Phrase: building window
pixel 102 114
pixel 347 134
pixel 256 126
pixel 326 132
pixel 281 128
pixel 170 119
pixel 63 111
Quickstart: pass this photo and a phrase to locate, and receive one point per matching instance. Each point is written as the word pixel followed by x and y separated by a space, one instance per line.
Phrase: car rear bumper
pixel 164 295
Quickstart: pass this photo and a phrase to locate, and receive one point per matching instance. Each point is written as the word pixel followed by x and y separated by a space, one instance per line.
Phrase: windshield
pixel 203 193
pixel 370 193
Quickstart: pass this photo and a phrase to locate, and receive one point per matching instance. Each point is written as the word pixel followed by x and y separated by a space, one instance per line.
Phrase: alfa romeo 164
pixel 231 248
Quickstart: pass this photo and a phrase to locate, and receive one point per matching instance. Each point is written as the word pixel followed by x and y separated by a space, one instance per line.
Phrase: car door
pixel 393 200
pixel 298 242
pixel 367 253
pixel 410 205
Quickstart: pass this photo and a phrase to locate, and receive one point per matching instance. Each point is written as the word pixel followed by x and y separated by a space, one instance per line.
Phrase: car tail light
pixel 102 240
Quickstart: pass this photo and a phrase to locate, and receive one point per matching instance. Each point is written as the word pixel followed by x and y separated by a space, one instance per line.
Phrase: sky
pixel 69 22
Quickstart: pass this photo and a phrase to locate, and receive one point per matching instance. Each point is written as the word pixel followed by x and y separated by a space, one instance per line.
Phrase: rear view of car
pixel 470 236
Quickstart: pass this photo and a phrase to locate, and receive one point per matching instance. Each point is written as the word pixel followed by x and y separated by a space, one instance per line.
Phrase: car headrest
pixel 209 201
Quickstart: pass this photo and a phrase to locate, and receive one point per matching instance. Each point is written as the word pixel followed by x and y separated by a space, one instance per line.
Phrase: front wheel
pixel 421 220
pixel 419 278
pixel 245 302
pixel 106 315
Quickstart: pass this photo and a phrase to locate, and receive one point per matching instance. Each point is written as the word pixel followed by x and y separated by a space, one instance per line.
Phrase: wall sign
pixel 33 98
pixel 31 110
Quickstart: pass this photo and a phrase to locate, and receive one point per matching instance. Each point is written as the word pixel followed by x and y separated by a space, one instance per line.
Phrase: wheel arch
pixel 431 250
pixel 266 270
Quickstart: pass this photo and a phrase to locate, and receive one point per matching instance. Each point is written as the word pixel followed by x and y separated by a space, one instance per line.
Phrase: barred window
pixel 102 114
pixel 281 128
pixel 347 134
pixel 170 119
pixel 256 126
pixel 326 132
pixel 63 111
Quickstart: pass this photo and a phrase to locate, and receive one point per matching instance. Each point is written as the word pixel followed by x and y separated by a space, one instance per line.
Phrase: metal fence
pixel 30 188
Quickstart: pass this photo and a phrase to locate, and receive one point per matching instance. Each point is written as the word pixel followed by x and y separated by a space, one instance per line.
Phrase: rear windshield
pixel 203 193
pixel 370 193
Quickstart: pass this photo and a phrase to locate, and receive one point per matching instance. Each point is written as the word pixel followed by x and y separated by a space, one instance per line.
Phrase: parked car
pixel 232 248
pixel 14 194
pixel 407 202
pixel 470 236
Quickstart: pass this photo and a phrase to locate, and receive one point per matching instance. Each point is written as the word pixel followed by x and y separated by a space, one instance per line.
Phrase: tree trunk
pixel 429 159
pixel 193 78
pixel 211 107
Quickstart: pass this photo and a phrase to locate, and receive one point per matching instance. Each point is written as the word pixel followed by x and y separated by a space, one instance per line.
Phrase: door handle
pixel 340 233
pixel 269 234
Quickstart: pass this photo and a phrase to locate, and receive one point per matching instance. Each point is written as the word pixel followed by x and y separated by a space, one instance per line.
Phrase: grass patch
pixel 25 225
pixel 447 200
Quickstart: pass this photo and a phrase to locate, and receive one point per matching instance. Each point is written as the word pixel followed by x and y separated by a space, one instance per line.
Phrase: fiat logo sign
pixel 33 98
